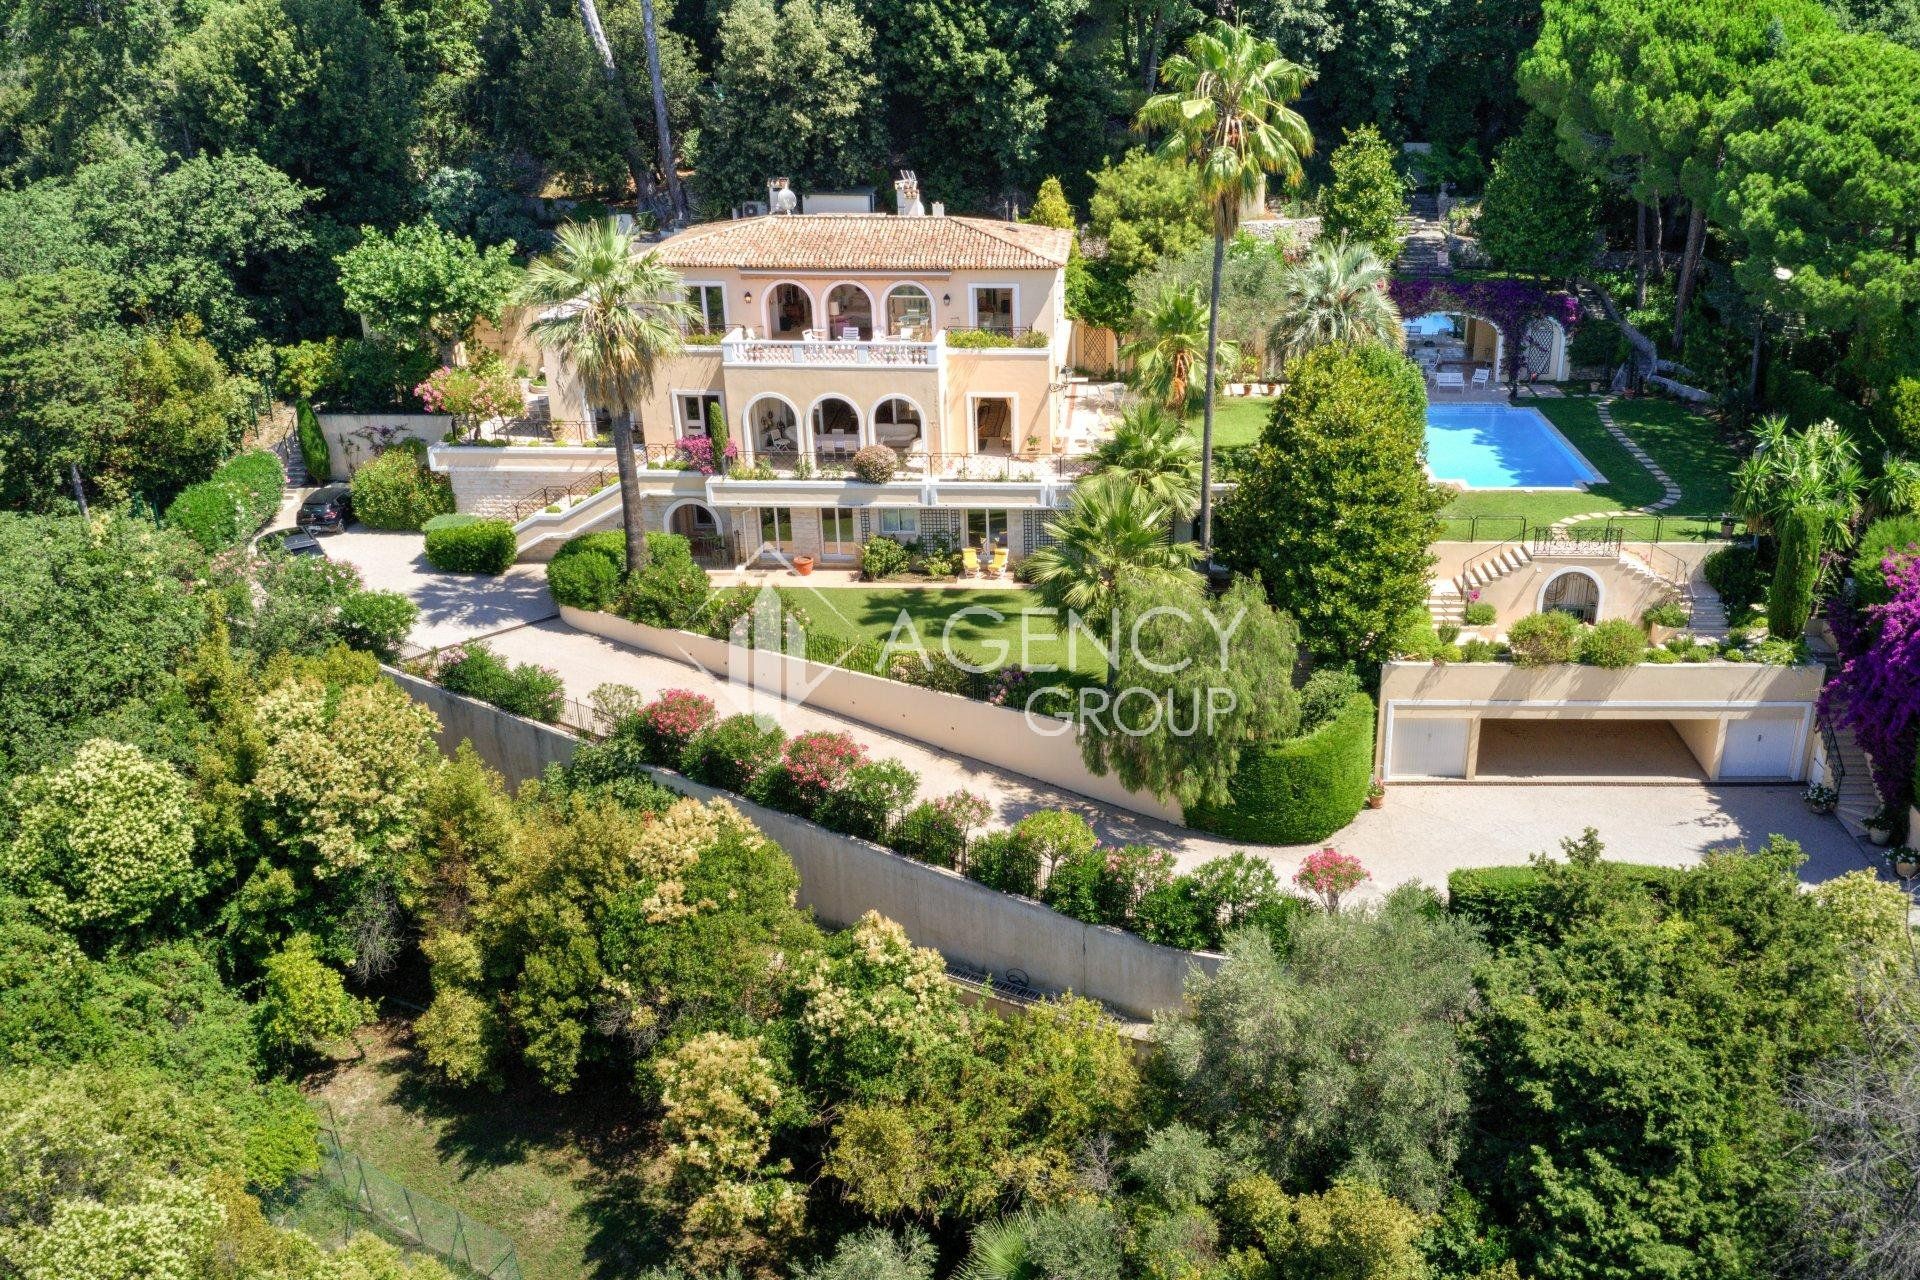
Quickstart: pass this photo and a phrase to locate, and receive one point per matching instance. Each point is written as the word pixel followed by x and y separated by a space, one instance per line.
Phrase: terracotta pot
pixel 1906 870
pixel 803 565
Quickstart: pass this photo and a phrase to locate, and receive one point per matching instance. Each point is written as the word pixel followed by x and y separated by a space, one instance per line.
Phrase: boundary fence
pixel 1626 525
pixel 368 1200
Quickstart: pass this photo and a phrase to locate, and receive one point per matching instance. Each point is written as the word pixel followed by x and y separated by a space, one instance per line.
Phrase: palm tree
pixel 1154 452
pixel 612 313
pixel 1818 466
pixel 1113 530
pixel 1170 340
pixel 1337 294
pixel 1226 112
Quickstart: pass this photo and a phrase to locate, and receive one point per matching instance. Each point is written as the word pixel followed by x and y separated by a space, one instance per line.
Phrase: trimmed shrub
pixel 1481 651
pixel 733 753
pixel 1513 903
pixel 1542 639
pixel 1884 537
pixel 1054 835
pixel 479 546
pixel 1302 789
pixel 1415 636
pixel 717 430
pixel 1796 573
pixel 394 490
pixel 871 799
pixel 1618 642
pixel 377 621
pixel 232 504
pixel 525 689
pixel 585 572
pixel 671 591
pixel 1734 573
pixel 314 454
pixel 1668 613
pixel 938 831
pixel 1479 614
pixel 882 558
pixel 1322 696
pixel 452 520
pixel 875 464
pixel 813 766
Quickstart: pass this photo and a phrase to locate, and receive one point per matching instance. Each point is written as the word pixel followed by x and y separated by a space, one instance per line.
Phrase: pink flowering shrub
pixel 471 394
pixel 1328 874
pixel 815 765
pixel 697 452
pixel 669 722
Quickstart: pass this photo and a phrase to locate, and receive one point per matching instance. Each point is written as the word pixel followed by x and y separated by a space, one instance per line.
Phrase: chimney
pixel 906 193
pixel 780 197
pixel 939 209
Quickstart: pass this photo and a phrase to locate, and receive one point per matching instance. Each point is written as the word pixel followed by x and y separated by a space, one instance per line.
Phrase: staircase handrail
pixel 593 482
pixel 1484 557
pixel 1836 763
pixel 1679 576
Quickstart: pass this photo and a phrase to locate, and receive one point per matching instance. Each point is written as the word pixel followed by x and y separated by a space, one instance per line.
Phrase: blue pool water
pixel 1499 446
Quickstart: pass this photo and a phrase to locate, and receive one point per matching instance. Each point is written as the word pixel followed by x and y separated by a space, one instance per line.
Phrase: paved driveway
pixel 453 606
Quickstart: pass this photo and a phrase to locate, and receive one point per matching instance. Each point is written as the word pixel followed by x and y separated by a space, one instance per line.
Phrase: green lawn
pixel 877 612
pixel 1236 420
pixel 554 1177
pixel 1684 443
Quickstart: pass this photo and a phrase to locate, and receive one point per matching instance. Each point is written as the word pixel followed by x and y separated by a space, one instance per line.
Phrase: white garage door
pixel 1424 748
pixel 1759 749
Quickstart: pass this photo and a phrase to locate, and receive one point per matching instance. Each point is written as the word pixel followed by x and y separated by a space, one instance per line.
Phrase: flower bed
pixel 1053 856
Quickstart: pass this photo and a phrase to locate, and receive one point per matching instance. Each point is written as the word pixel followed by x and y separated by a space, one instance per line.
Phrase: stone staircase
pixel 1424 251
pixel 1858 799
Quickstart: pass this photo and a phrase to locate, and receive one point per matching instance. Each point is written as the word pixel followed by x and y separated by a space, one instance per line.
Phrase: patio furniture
pixel 1482 377
pixel 1449 380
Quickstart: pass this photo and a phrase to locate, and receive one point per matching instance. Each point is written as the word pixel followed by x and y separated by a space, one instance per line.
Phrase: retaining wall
pixel 947 722
pixel 842 878
pixel 348 447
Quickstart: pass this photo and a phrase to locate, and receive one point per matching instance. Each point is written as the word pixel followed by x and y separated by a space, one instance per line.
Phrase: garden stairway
pixel 1858 799
pixel 1424 251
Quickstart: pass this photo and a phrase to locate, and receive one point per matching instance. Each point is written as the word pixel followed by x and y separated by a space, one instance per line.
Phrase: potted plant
pixel 1376 794
pixel 1879 827
pixel 1820 798
pixel 1906 862
pixel 803 565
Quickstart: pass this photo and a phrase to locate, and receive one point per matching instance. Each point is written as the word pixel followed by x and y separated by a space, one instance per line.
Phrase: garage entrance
pixel 1585 751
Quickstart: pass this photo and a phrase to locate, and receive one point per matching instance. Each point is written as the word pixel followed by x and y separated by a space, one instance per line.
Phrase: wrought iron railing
pixel 1565 542
pixel 891 353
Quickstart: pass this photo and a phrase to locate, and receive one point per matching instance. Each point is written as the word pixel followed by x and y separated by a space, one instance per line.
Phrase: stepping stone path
pixel 1640 456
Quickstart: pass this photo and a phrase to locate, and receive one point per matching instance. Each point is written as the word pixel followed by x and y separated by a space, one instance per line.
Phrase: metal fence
pixel 1626 525
pixel 353 1197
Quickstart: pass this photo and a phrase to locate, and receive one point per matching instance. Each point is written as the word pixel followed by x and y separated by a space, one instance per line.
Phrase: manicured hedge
pixel 313 443
pixel 1510 903
pixel 229 506
pixel 1796 572
pixel 1889 535
pixel 1302 789
pixel 585 572
pixel 478 546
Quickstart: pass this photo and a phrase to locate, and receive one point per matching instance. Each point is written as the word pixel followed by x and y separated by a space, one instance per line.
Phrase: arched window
pixel 898 425
pixel 910 313
pixel 789 313
pixel 1572 592
pixel 836 430
pixel 849 312
pixel 774 428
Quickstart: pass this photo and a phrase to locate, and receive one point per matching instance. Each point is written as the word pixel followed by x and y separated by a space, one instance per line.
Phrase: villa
pixel 814 335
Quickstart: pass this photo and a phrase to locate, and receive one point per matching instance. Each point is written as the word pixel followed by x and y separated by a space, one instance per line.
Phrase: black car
pixel 290 542
pixel 326 510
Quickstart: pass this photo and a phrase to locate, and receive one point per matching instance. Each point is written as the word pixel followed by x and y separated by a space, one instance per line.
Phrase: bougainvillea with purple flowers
pixel 1876 694
pixel 1510 304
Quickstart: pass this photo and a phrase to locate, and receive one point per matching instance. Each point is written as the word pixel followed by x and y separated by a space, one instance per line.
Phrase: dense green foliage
pixel 477 546
pixel 1334 510
pixel 231 505
pixel 1896 536
pixel 314 454
pixel 1301 789
pixel 394 490
pixel 1367 197
pixel 1538 213
pixel 586 571
pixel 1796 572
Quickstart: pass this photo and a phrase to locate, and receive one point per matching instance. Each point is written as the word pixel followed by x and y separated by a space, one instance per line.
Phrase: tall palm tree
pixel 1172 335
pixel 1338 293
pixel 613 314
pixel 1225 111
pixel 1154 452
pixel 1112 530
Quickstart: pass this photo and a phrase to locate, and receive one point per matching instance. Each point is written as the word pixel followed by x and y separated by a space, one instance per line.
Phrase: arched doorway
pixel 849 312
pixel 836 430
pixel 910 313
pixel 700 526
pixel 773 430
pixel 897 424
pixel 1575 592
pixel 789 313
pixel 1542 350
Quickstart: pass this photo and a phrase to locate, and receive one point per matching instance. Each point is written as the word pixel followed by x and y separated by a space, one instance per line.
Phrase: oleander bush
pixel 870 800
pixel 667 724
pixel 395 490
pixel 1543 639
pixel 1001 862
pixel 1617 642
pixel 525 689
pixel 377 621
pixel 875 464
pixel 733 754
pixel 1300 789
pixel 585 572
pixel 232 504
pixel 471 546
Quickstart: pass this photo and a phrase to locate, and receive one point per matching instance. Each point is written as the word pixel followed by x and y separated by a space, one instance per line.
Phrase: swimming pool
pixel 1499 446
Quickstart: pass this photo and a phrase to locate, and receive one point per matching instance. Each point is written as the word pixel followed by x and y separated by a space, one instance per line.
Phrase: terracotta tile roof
pixel 867 241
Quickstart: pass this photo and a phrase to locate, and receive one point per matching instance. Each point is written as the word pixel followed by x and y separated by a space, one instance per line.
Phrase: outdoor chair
pixel 1482 377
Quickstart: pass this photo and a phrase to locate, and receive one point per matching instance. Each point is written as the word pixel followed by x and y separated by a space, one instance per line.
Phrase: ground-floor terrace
pixel 1421 833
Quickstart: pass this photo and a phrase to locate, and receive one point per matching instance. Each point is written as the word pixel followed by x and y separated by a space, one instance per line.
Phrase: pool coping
pixel 1599 476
